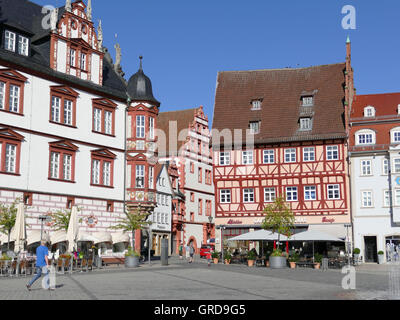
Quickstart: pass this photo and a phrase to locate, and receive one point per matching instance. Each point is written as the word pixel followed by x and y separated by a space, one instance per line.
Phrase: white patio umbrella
pixel 260 235
pixel 58 236
pixel 314 235
pixel 35 236
pixel 20 230
pixel 73 229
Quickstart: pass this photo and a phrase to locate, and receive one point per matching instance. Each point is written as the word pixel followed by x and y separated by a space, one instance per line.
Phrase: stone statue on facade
pixel 89 10
pixel 54 20
pixel 68 6
pixel 118 56
pixel 100 35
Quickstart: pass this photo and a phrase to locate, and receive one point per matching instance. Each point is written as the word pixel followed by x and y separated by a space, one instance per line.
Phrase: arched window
pixel 369 112
pixel 365 137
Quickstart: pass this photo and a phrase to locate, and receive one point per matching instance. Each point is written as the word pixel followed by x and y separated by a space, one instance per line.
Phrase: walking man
pixel 181 251
pixel 191 253
pixel 42 263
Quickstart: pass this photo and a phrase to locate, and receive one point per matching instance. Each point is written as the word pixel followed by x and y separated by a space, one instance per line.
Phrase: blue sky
pixel 185 43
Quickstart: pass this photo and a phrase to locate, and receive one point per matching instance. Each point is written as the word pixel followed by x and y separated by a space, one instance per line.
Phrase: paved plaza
pixel 183 281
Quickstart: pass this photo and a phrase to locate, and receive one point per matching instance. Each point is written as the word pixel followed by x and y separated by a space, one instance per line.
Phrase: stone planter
pixel 277 262
pixel 131 262
pixel 356 257
pixel 381 258
pixel 250 263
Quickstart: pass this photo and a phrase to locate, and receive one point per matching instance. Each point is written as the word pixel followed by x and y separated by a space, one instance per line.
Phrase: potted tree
pixel 132 258
pixel 356 253
pixel 215 256
pixel 317 261
pixel 293 259
pixel 132 222
pixel 251 258
pixel 227 257
pixel 381 257
pixel 8 216
pixel 278 218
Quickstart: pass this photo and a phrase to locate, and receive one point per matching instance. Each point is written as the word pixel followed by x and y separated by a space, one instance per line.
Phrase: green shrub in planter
pixel 356 251
pixel 5 257
pixel 227 256
pixel 215 255
pixel 294 258
pixel 381 253
pixel 277 253
pixel 132 253
pixel 318 258
pixel 251 255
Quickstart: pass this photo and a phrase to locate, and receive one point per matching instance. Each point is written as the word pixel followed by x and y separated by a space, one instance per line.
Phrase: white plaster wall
pixel 95 68
pixel 167 191
pixel 196 231
pixel 61 56
pixel 35 149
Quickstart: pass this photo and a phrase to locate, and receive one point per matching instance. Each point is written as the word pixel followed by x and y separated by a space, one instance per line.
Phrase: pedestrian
pixel 192 253
pixel 209 256
pixel 181 251
pixel 42 264
pixel 187 253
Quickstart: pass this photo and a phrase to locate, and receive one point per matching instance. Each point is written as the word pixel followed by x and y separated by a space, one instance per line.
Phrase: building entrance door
pixel 371 254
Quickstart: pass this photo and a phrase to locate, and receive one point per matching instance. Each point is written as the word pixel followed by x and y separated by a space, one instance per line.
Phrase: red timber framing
pixel 10 140
pixel 105 105
pixel 85 27
pixel 63 149
pixel 102 157
pixel 319 173
pixel 63 94
pixel 9 78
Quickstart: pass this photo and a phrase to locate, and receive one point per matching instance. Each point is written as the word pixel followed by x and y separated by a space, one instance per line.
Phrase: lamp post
pixel 42 219
pixel 210 219
pixel 347 226
pixel 222 243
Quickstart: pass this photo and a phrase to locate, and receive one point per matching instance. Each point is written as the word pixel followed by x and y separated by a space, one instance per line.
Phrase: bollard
pixel 164 252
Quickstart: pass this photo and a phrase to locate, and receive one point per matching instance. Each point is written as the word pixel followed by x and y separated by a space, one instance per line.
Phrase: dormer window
pixel 23 45
pixel 369 112
pixel 305 124
pixel 255 127
pixel 256 105
pixel 10 41
pixel 365 137
pixel 308 101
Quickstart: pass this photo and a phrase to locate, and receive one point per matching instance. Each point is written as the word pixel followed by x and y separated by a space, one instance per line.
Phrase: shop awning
pixel 102 237
pixel 120 237
pixel 313 235
pixel 335 230
pixel 260 235
pixel 34 236
pixel 58 237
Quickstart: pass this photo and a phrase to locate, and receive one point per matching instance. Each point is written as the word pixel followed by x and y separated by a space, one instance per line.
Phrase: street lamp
pixel 222 243
pixel 348 226
pixel 42 219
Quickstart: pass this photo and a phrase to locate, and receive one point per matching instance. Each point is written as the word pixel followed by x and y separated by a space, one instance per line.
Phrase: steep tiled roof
pixel 386 118
pixel 280 91
pixel 183 119
pixel 27 16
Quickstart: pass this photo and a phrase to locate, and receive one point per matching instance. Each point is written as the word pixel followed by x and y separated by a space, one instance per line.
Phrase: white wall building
pixel 375 173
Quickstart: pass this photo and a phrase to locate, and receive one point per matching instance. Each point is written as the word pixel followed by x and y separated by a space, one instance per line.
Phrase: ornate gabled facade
pixel 291 141
pixel 184 142
pixel 74 47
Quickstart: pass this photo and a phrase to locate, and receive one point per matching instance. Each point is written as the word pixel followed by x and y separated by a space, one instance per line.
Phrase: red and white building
pixel 184 142
pixel 294 122
pixel 62 116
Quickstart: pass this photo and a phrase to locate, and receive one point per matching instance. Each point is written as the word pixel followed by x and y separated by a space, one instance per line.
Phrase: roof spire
pixel 68 6
pixel 348 39
pixel 141 62
pixel 89 10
